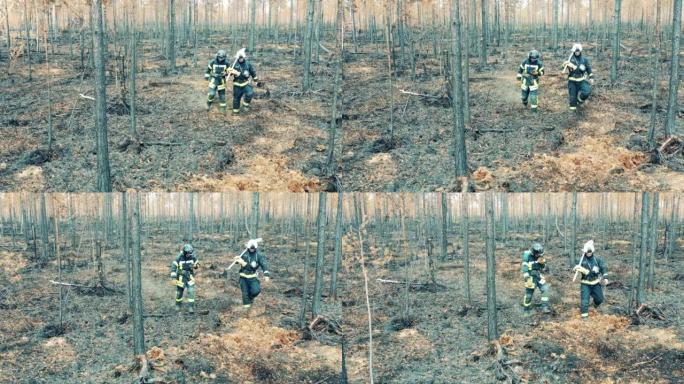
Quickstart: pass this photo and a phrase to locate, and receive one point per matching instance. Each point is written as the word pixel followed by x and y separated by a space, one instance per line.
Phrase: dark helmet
pixel 537 249
pixel 221 55
pixel 534 55
pixel 187 249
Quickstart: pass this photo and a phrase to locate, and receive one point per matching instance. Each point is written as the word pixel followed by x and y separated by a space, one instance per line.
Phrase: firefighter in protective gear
pixel 579 77
pixel 249 262
pixel 182 273
pixel 533 263
pixel 594 277
pixel 242 87
pixel 216 73
pixel 529 73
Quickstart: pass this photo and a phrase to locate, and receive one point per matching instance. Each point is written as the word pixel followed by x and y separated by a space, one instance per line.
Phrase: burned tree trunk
pixel 104 180
pixel 671 118
pixel 492 332
pixel 320 254
pixel 138 327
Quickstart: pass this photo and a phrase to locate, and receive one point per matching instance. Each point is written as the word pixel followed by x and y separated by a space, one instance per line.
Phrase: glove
pixel 174 275
pixel 604 282
pixel 535 73
pixel 259 84
pixel 233 71
pixel 267 279
pixel 206 76
pixel 591 81
pixel 239 260
pixel 580 269
pixel 526 276
pixel 529 283
pixel 518 76
pixel 595 269
pixel 541 260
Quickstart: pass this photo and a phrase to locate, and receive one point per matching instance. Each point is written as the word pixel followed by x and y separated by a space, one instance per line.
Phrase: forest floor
pixel 281 144
pixel 221 343
pixel 601 148
pixel 445 339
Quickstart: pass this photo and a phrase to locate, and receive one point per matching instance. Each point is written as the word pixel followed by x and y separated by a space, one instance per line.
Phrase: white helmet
pixel 253 243
pixel 576 47
pixel 241 53
pixel 588 247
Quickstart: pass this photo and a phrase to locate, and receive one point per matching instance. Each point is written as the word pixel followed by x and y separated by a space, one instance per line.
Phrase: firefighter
pixel 250 261
pixel 182 271
pixel 242 71
pixel 533 263
pixel 216 73
pixel 529 73
pixel 579 77
pixel 594 277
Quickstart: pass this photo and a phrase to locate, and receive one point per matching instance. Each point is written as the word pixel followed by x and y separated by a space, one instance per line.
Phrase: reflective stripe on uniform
pixel 585 315
pixel 525 302
pixel 246 276
pixel 241 85
pixel 592 282
pixel 577 78
pixel 191 300
pixel 179 300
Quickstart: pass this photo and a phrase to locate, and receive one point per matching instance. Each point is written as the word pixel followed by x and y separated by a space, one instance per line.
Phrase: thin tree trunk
pixel 305 287
pixel 671 118
pixel 338 247
pixel 445 240
pixel 492 332
pixel 252 26
pixel 460 155
pixel 44 230
pixel 466 244
pixel 573 236
pixel 337 90
pixel 308 39
pixel 104 181
pixel 138 327
pixel 641 283
pixel 360 231
pixel 654 241
pixel 320 254
pixel 171 43
pixel 655 70
pixel 616 42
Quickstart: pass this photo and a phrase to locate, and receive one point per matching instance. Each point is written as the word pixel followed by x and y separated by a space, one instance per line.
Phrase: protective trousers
pixel 217 84
pixel 181 285
pixel 590 291
pixel 238 92
pixel 250 288
pixel 530 87
pixel 537 282
pixel 578 92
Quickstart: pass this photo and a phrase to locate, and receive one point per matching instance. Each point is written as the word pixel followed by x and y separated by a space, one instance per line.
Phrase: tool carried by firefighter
pixel 250 261
pixel 257 241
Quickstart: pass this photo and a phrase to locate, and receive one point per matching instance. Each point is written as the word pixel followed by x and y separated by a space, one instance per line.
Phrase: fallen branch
pixel 71 284
pixel 86 97
pixel 558 229
pixel 330 325
pixel 647 311
pixel 647 361
pixel 324 48
pixel 419 94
